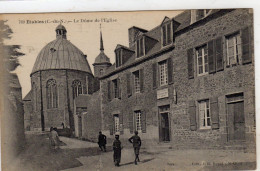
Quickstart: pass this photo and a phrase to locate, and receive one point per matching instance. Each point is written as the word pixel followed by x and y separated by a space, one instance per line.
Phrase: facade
pixel 189 81
pixel 61 73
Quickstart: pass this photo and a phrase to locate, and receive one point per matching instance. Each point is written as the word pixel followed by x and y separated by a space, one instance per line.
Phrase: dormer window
pixel 167 34
pixel 119 60
pixel 140 47
pixel 201 13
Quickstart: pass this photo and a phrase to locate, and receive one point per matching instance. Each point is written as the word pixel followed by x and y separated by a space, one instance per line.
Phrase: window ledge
pixel 204 129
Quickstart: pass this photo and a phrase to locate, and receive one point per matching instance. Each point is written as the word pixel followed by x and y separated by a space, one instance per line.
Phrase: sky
pixel 83 30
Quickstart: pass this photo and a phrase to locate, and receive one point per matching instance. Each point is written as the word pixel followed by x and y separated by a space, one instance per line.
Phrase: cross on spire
pixel 101 40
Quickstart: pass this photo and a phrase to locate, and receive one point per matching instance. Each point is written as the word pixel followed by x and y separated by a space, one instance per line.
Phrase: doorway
pixel 164 126
pixel 235 117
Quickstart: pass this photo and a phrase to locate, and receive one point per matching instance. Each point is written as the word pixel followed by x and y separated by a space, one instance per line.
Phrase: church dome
pixel 61 54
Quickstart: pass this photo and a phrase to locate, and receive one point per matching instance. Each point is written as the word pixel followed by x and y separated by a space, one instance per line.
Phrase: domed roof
pixel 102 58
pixel 61 54
pixel 60 27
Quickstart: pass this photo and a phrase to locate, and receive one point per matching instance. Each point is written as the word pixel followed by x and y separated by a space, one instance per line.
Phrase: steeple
pixel 61 31
pixel 101 40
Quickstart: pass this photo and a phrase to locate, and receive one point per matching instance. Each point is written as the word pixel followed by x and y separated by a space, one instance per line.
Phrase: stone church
pixel 61 73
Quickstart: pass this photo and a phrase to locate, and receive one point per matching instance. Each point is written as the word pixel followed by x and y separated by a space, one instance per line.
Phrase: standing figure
pixel 136 141
pixel 117 150
pixel 54 138
pixel 102 141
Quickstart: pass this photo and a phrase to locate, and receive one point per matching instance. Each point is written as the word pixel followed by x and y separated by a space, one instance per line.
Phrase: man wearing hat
pixel 136 141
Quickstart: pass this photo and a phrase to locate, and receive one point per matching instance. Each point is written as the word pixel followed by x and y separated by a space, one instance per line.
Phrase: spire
pixel 101 40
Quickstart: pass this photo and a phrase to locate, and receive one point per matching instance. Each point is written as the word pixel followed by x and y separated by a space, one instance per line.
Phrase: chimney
pixel 132 32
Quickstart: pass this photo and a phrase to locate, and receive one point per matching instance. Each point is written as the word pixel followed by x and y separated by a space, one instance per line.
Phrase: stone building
pixel 61 72
pixel 189 81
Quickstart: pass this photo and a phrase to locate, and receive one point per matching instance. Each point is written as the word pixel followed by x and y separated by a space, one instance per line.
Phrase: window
pixel 234 49
pixel 77 88
pixel 163 73
pixel 137 88
pixel 35 100
pixel 52 97
pixel 204 114
pixel 201 14
pixel 101 71
pixel 116 123
pixel 119 60
pixel 202 60
pixel 116 89
pixel 140 47
pixel 167 34
pixel 138 121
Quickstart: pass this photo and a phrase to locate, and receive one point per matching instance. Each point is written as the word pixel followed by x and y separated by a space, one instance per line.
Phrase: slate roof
pixel 101 58
pixel 61 54
pixel 184 20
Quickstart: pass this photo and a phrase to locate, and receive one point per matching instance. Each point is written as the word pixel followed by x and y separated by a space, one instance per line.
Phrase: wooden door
pixel 165 129
pixel 236 121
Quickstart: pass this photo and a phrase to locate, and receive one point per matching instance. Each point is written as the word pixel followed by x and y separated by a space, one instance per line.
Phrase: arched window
pixel 35 100
pixel 52 96
pixel 77 88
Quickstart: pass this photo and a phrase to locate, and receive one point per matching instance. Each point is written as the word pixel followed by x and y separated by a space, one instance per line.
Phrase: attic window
pixel 119 60
pixel 52 50
pixel 167 34
pixel 202 13
pixel 140 47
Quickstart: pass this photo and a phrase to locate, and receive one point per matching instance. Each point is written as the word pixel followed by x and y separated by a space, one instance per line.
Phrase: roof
pixel 60 27
pixel 13 81
pixel 28 97
pixel 183 20
pixel 61 54
pixel 101 58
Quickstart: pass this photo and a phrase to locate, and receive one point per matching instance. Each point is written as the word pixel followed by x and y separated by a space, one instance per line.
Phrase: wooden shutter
pixel 137 48
pixel 168 33
pixel 154 67
pixel 164 35
pixel 141 76
pixel 119 88
pixel 130 122
pixel 143 121
pixel 211 57
pixel 109 90
pixel 170 71
pixel 128 84
pixel 219 54
pixel 121 124
pixel 246 51
pixel 192 113
pixel 190 63
pixel 112 125
pixel 214 110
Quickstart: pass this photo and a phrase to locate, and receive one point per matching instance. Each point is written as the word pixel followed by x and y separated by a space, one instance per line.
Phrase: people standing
pixel 54 138
pixel 102 141
pixel 117 150
pixel 136 141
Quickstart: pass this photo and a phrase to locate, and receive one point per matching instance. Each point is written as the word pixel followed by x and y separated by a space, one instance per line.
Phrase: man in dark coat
pixel 136 141
pixel 117 150
pixel 102 141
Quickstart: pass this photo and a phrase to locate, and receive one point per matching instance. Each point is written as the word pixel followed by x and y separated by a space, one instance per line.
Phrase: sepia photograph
pixel 134 90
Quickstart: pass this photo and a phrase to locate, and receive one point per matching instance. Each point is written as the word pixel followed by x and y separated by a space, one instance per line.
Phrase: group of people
pixel 54 138
pixel 117 147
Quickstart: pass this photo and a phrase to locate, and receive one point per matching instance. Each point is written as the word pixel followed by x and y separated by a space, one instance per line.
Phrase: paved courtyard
pixel 76 155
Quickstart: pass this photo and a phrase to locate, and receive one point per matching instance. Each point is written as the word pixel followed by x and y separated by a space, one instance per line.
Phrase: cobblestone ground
pixel 78 155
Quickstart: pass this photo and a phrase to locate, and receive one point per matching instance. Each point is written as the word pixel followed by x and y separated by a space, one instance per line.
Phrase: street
pixel 76 155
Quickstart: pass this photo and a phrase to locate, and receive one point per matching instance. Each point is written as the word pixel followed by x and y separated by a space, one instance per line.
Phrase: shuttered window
pixel 116 124
pixel 140 47
pixel 136 75
pixel 167 34
pixel 219 54
pixel 190 63
pixel 204 114
pixel 163 73
pixel 116 90
pixel 202 60
pixel 234 53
